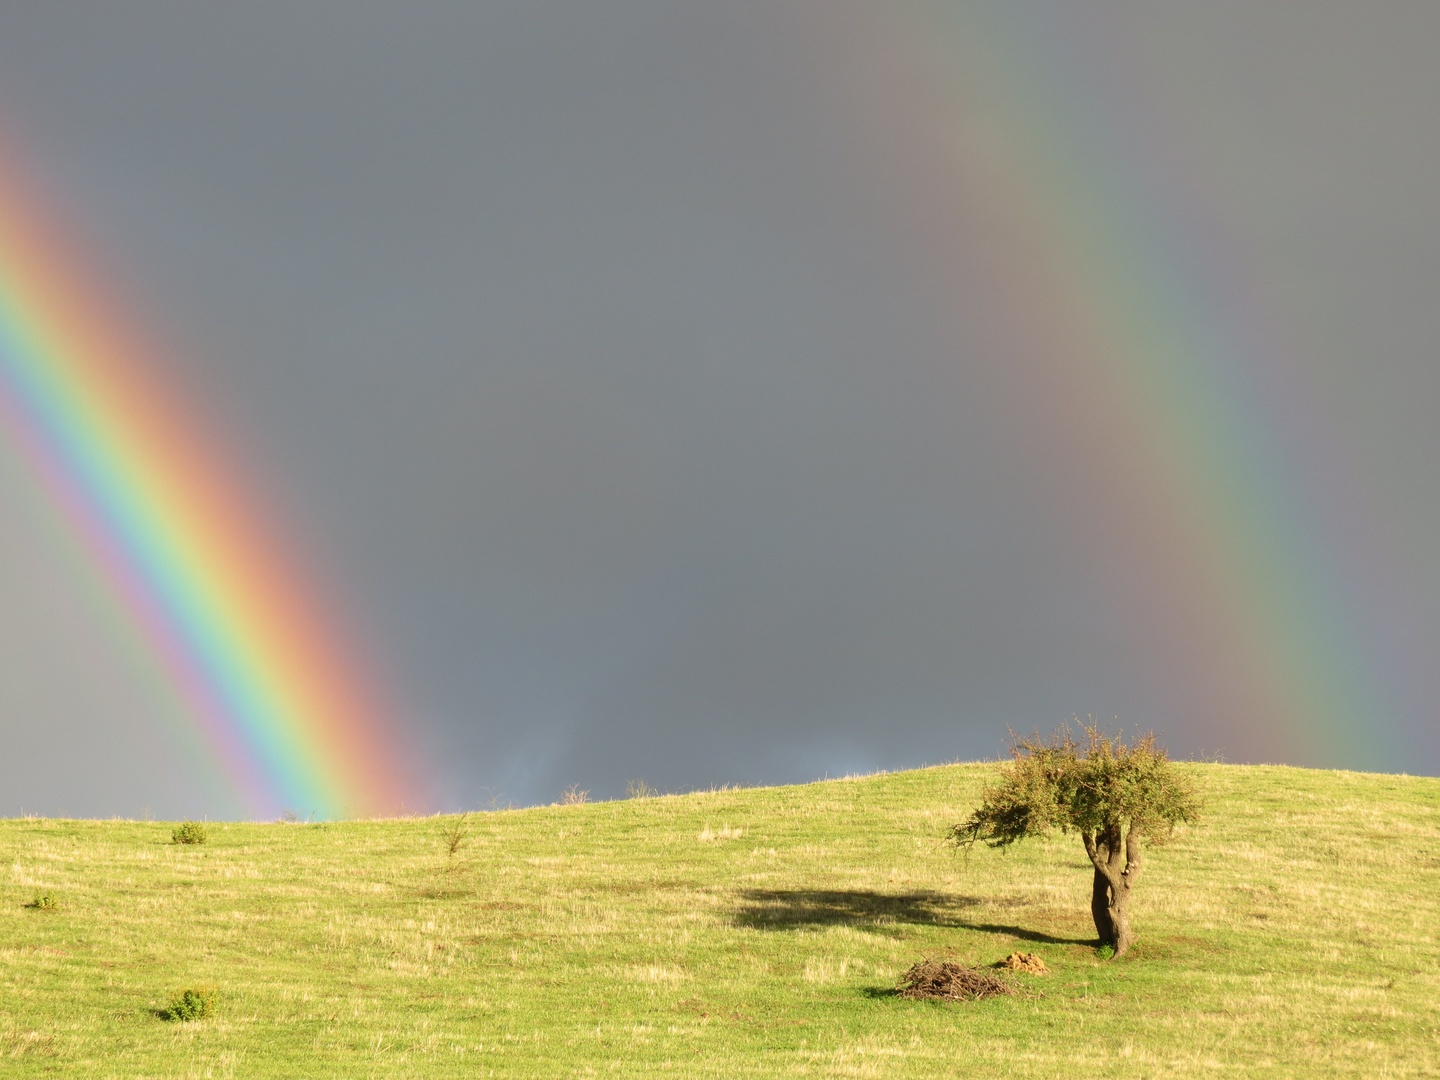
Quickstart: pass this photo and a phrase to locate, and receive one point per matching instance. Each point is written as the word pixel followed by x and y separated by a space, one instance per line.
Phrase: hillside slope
pixel 1294 931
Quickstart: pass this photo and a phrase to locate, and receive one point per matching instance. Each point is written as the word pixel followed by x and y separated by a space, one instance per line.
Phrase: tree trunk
pixel 1120 918
pixel 1100 909
pixel 1116 858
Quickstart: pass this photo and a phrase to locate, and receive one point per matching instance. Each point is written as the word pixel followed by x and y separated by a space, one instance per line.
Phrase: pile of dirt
pixel 1028 962
pixel 948 980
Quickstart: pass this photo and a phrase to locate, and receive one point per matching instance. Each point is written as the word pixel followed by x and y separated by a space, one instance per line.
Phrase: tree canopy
pixel 1118 797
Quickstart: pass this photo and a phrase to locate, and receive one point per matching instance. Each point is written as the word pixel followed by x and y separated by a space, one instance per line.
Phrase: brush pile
pixel 947 980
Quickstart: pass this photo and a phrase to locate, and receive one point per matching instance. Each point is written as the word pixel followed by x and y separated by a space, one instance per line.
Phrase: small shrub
pixel 188 832
pixel 456 834
pixel 454 838
pixel 44 902
pixel 573 796
pixel 638 789
pixel 192 1003
pixel 1105 951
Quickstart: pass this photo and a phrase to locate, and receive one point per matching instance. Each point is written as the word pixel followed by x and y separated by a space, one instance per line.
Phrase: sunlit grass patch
pixel 1293 932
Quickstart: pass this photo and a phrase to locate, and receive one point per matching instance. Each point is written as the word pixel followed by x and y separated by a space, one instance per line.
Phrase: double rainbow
pixel 288 713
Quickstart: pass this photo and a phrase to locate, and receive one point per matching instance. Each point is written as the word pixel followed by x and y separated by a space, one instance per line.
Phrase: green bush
pixel 188 832
pixel 192 1003
pixel 44 901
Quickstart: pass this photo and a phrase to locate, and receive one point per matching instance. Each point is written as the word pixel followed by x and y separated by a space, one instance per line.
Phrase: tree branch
pixel 1115 848
pixel 1100 863
pixel 1132 854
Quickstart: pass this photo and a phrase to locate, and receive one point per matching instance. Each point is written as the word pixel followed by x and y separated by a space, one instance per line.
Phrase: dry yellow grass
pixel 1295 932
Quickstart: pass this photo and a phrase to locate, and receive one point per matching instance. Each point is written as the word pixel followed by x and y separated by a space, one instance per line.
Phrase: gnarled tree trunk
pixel 1100 908
pixel 1117 865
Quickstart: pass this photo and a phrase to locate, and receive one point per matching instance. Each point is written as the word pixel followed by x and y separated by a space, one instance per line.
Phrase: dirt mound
pixel 1029 962
pixel 948 980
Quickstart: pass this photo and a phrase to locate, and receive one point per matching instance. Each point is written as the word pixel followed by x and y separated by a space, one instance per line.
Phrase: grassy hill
pixel 1294 932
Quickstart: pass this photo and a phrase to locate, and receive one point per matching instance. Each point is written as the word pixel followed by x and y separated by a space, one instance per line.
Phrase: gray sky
pixel 594 362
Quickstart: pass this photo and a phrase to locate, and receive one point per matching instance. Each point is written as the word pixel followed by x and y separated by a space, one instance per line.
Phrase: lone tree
pixel 1117 797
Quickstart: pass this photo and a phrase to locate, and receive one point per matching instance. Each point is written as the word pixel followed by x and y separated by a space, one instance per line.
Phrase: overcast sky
pixel 589 356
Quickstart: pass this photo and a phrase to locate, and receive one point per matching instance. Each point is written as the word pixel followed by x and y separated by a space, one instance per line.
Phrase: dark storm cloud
pixel 575 345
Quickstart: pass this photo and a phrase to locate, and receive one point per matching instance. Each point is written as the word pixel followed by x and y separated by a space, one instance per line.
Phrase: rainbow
pixel 1167 415
pixel 1157 413
pixel 290 717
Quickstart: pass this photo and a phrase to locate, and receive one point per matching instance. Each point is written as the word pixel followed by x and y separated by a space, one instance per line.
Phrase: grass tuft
pixel 189 832
pixel 192 1003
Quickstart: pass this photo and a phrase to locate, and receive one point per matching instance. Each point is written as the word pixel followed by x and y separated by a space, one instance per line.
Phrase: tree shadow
pixel 785 909
pixel 1025 934
pixel 789 909
pixel 874 993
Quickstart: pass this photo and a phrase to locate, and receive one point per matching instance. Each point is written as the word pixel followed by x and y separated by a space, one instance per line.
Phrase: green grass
pixel 751 933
